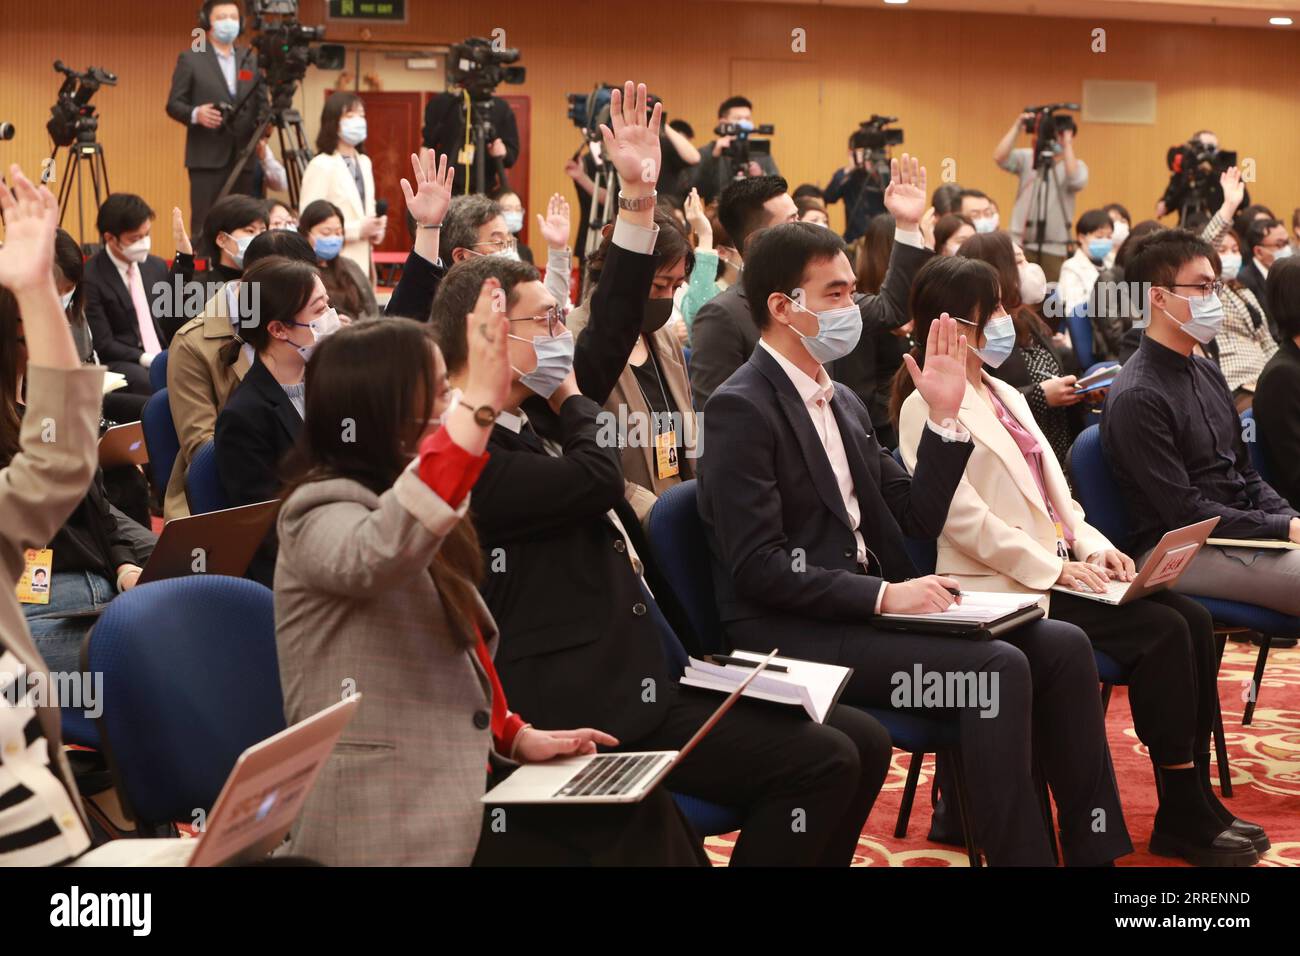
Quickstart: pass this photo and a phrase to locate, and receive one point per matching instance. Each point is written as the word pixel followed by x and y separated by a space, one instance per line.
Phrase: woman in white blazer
pixel 1012 526
pixel 341 173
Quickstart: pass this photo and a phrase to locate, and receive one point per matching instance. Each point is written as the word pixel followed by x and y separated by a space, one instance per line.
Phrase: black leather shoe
pixel 1226 849
pixel 1252 832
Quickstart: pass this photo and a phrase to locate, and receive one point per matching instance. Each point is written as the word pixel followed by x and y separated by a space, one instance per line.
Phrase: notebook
pixel 1102 378
pixel 808 684
pixel 1249 543
pixel 981 615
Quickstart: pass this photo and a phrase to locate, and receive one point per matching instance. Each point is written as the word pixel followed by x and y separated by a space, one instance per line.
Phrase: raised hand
pixel 942 382
pixel 633 144
pixel 487 332
pixel 554 226
pixel 927 228
pixel 905 197
pixel 180 237
pixel 1234 190
pixel 429 200
pixel 31 215
pixel 698 220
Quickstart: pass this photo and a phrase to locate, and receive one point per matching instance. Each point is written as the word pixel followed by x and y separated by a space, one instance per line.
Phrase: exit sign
pixel 385 11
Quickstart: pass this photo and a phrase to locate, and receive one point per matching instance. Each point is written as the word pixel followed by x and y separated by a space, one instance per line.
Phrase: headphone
pixel 205 13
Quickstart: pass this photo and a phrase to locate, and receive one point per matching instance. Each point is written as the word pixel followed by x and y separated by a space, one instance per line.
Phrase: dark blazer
pixel 1254 280
pixel 413 296
pixel 766 488
pixel 254 432
pixel 197 80
pixel 444 131
pixel 1277 420
pixel 723 334
pixel 110 313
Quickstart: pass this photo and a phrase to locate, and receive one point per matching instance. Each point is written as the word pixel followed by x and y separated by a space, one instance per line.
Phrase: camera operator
pixel 861 184
pixel 1067 176
pixel 206 84
pixel 444 121
pixel 717 167
pixel 1202 154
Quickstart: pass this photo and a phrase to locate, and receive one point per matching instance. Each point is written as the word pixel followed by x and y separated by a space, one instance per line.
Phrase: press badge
pixel 466 156
pixel 666 465
pixel 34 585
pixel 1062 550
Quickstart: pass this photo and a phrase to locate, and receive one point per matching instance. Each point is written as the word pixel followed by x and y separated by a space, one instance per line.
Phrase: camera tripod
pixel 1043 188
pixel 87 152
pixel 485 172
pixel 294 147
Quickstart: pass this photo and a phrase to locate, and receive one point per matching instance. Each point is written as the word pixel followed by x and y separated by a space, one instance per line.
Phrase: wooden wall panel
pixel 957 81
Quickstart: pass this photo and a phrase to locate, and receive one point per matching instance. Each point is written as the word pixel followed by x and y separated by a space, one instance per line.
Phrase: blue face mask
pixel 1206 316
pixel 327 247
pixel 1231 262
pixel 241 247
pixel 999 340
pixel 838 331
pixel 1099 249
pixel 225 31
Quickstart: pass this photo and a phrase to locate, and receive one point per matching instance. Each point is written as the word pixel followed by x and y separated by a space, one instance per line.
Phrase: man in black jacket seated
pixel 806 515
pixel 723 334
pixel 582 637
pixel 1277 396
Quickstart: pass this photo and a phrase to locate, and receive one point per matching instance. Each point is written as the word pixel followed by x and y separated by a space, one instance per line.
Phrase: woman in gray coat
pixel 375 592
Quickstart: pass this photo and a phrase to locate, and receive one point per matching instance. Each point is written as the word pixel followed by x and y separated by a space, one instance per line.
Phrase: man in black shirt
pixel 716 168
pixel 1174 441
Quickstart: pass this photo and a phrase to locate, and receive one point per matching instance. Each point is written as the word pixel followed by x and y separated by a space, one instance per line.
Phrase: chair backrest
pixel 1255 447
pixel 158 371
pixel 924 554
pixel 1081 334
pixel 190 680
pixel 160 438
pixel 681 550
pixel 202 483
pixel 1097 490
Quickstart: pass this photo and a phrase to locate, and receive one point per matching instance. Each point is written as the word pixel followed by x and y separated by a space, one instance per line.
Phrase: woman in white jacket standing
pixel 341 173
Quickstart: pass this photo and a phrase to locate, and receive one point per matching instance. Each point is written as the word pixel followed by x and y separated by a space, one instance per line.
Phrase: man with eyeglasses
pixel 1175 444
pixel 1266 239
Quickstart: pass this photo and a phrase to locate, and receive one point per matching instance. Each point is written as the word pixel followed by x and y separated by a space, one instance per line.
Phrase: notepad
pixel 113 381
pixel 1273 545
pixel 808 684
pixel 976 607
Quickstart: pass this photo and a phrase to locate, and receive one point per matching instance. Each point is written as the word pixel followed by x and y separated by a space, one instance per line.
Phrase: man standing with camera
pixel 1194 183
pixel 1042 218
pixel 208 86
pixel 733 155
pixel 476 70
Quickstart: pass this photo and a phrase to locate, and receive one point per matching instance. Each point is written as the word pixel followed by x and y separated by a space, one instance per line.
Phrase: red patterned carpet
pixel 1265 761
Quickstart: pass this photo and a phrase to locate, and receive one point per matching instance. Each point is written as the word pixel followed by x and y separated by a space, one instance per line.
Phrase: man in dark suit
pixel 723 334
pixel 444 132
pixel 583 637
pixel 1266 242
pixel 131 303
pixel 806 515
pixel 217 73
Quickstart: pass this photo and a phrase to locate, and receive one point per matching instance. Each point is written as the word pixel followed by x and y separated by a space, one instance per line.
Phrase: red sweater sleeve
pixel 505 725
pixel 449 469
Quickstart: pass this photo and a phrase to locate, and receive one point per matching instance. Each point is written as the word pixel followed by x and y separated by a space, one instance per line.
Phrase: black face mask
pixel 657 314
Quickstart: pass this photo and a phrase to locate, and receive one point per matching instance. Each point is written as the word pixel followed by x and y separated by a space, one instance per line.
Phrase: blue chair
pixel 158 372
pixel 1255 448
pixel 202 483
pixel 681 548
pixel 1081 333
pixel 180 704
pixel 160 439
pixel 1104 505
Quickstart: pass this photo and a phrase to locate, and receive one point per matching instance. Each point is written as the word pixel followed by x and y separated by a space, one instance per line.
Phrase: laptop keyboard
pixel 609 775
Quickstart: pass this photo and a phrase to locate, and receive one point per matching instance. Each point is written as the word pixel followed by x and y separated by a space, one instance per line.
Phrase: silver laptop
pixel 605 778
pixel 1162 568
pixel 262 798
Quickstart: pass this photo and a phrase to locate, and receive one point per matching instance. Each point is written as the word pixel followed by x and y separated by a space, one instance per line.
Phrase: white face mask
pixel 988 224
pixel 352 130
pixel 1119 232
pixel 137 251
pixel 1033 283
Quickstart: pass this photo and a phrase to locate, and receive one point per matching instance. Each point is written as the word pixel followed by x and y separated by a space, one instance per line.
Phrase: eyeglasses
pixel 1204 288
pixel 553 317
pixel 498 245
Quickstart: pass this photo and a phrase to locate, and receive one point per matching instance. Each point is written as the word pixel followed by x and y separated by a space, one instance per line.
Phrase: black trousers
pixel 137 379
pixel 1043 704
pixel 205 186
pixel 804 789
pixel 652 832
pixel 1167 643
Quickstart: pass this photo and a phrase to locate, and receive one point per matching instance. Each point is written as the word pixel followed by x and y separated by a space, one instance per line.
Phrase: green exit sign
pixel 385 11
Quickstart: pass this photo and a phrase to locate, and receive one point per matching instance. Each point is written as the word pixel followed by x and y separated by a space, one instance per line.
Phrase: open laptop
pixel 226 540
pixel 262 798
pixel 123 445
pixel 605 778
pixel 1162 568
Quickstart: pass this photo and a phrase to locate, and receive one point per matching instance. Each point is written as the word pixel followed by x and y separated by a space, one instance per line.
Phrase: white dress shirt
pixel 817 395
